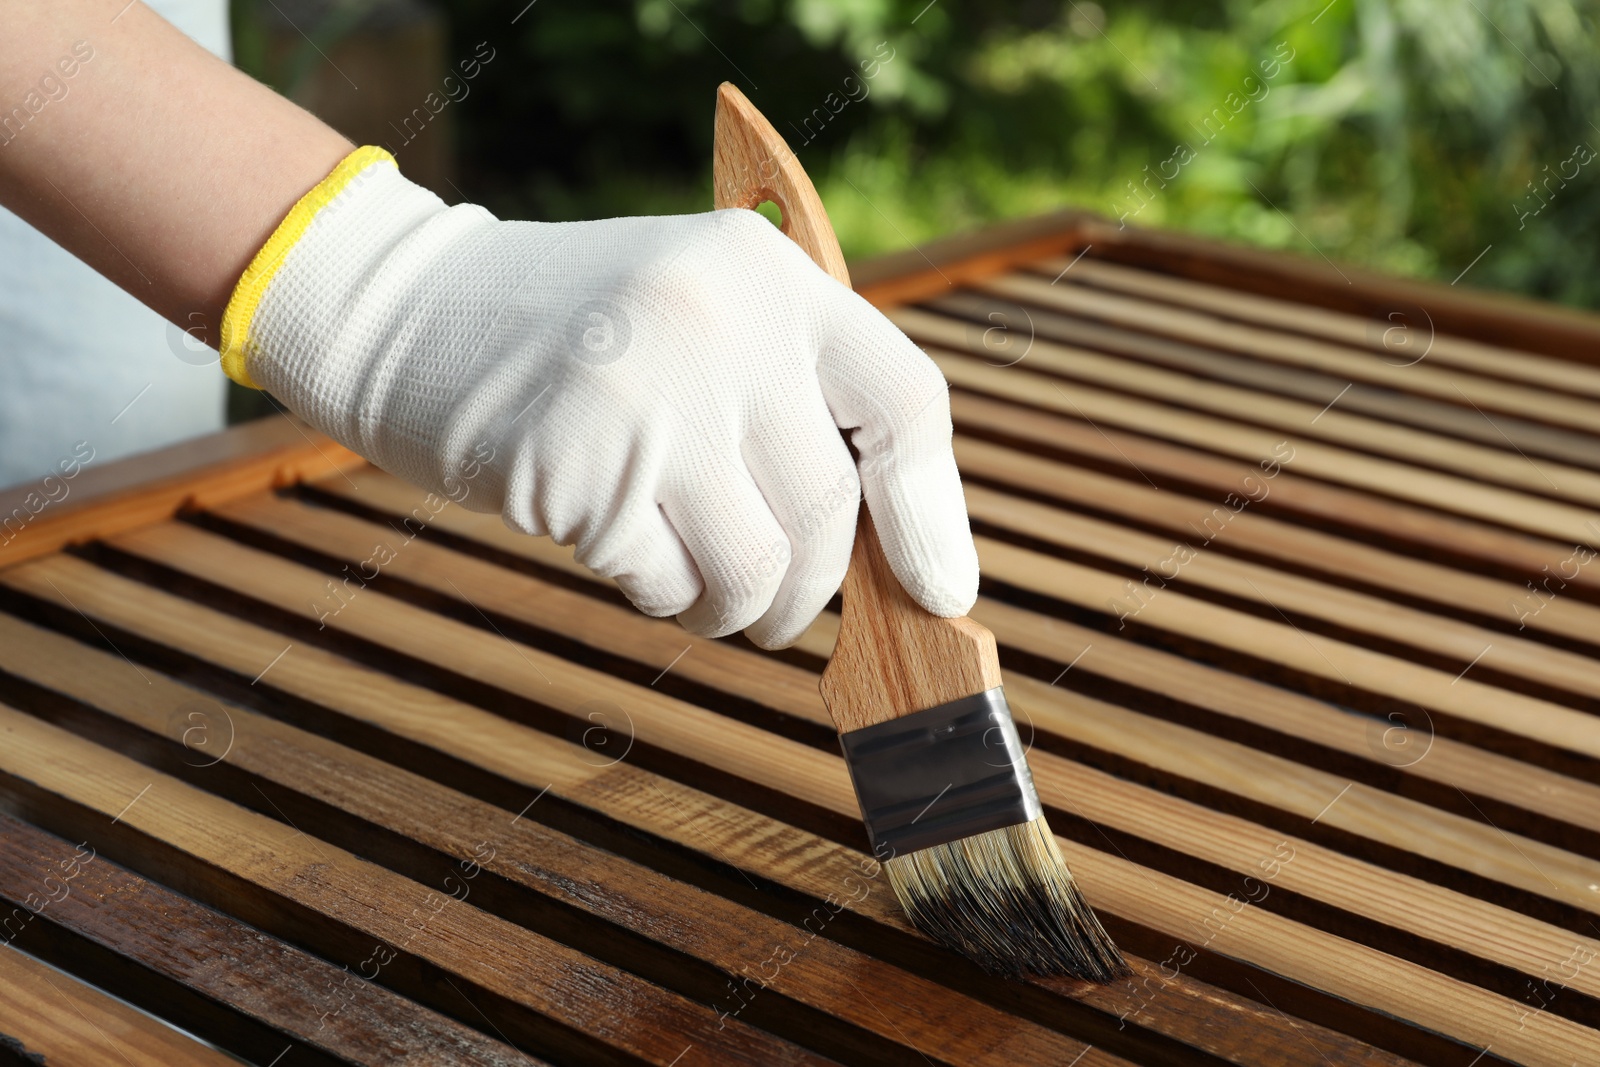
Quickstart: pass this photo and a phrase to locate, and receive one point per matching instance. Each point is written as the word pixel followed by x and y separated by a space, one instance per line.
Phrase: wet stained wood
pixel 543 992
pixel 547 879
pixel 240 987
pixel 47 1017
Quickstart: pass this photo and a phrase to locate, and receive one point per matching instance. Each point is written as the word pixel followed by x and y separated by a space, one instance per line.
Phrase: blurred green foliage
pixel 1405 135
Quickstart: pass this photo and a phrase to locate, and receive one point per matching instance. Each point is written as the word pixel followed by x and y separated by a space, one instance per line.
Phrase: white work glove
pixel 664 393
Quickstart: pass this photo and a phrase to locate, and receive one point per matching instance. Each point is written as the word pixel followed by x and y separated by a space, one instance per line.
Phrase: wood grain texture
pixel 544 992
pixel 52 1016
pixel 1322 415
pixel 1454 592
pixel 751 163
pixel 1511 397
pixel 1188 1009
pixel 1456 643
pixel 1342 327
pixel 1515 322
pixel 146 488
pixel 745 673
pixel 1531 946
pixel 749 675
pixel 1254 443
pixel 206 971
pixel 1446 415
pixel 891 657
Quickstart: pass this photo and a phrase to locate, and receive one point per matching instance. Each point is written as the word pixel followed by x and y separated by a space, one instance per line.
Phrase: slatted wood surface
pixel 332 772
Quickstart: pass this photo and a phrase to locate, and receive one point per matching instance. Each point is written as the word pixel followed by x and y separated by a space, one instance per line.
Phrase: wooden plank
pixel 1455 920
pixel 1401 751
pixel 1494 318
pixel 749 753
pixel 907 1013
pixel 1321 389
pixel 1191 568
pixel 1562 375
pixel 658 644
pixel 1338 662
pixel 1363 976
pixel 1284 784
pixel 1392 523
pixel 1175 1005
pixel 147 488
pixel 1540 405
pixel 1334 558
pixel 747 674
pixel 659 723
pixel 344 538
pixel 380 491
pixel 212 974
pixel 541 992
pixel 1374 474
pixel 1486 774
pixel 49 1017
pixel 939 266
pixel 277 583
pixel 1317 421
pixel 376 492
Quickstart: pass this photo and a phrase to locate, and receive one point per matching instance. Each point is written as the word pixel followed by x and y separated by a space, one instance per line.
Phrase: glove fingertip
pixel 947 595
pixel 931 552
pixel 772 637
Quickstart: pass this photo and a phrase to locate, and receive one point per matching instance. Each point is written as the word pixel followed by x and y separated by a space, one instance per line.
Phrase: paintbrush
pixel 938 767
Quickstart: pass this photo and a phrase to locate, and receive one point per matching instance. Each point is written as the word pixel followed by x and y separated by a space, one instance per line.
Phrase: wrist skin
pixel 156 163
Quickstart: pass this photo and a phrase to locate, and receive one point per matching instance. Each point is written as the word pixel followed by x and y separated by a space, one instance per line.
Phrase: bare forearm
pixel 153 161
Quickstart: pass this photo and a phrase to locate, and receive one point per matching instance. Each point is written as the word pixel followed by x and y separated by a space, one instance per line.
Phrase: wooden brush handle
pixel 751 164
pixel 892 658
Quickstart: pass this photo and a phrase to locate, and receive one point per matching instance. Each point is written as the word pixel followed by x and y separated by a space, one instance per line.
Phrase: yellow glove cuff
pixel 258 275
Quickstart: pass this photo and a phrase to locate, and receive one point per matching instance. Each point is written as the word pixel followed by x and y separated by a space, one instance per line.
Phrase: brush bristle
pixel 1006 900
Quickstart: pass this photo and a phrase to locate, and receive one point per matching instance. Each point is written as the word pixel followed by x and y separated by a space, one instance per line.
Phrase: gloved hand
pixel 664 393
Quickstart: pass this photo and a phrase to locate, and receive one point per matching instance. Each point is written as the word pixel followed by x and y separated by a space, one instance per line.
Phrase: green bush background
pixel 1405 135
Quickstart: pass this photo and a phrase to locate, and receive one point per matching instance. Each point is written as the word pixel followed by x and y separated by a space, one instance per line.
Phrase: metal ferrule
pixel 939 775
